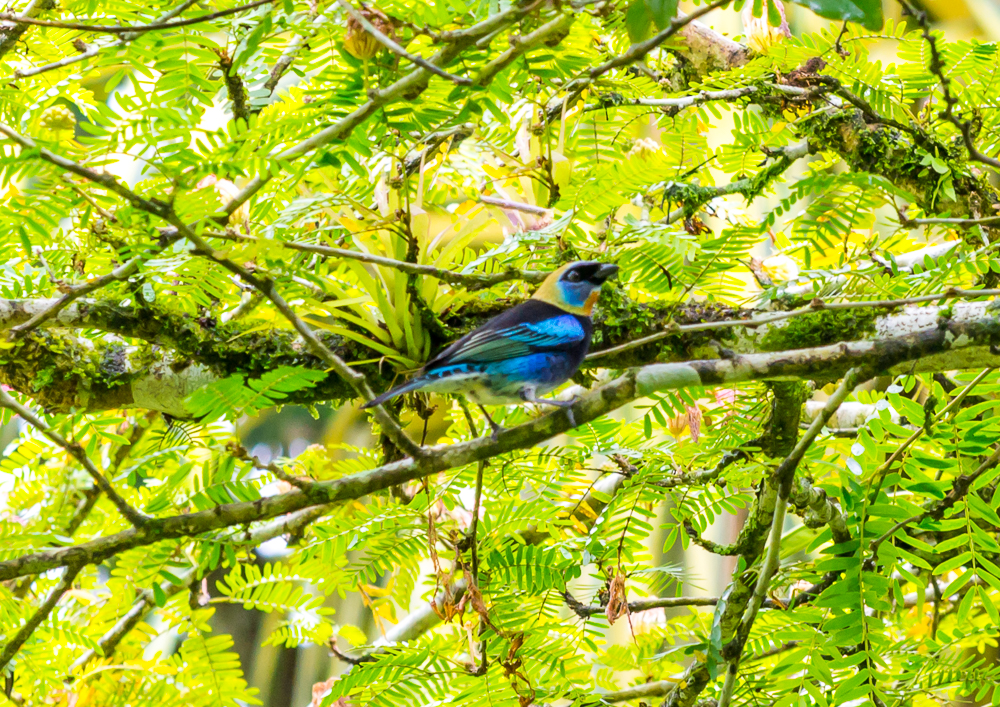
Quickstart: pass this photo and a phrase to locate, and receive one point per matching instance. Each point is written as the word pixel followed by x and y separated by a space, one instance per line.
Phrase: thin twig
pixel 959 487
pixel 108 643
pixel 817 305
pixel 884 468
pixel 586 611
pixel 518 45
pixel 89 51
pixel 305 485
pixel 398 50
pixel 407 87
pixel 121 273
pixel 283 63
pixel 64 584
pixel 134 517
pixel 640 49
pixel 673 105
pixel 474 524
pixel 10 35
pixel 129 29
pixel 574 89
pixel 956 222
pixel 471 281
pixel 92 50
pixel 104 179
pixel 937 67
pixel 748 186
pixel 515 206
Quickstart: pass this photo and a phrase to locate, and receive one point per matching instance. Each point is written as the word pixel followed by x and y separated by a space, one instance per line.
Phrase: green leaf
pixel 715 660
pixel 638 21
pixel 865 12
pixel 662 11
pixel 159 596
pixel 774 17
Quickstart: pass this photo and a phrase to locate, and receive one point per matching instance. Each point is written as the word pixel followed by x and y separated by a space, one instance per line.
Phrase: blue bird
pixel 529 350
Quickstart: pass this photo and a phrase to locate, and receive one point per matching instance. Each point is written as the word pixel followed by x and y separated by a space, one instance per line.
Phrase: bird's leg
pixel 528 395
pixel 497 429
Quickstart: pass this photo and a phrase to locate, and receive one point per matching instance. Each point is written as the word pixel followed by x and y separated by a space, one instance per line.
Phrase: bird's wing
pixel 501 343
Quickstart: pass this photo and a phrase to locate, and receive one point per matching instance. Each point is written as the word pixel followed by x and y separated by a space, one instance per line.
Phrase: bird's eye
pixel 573 276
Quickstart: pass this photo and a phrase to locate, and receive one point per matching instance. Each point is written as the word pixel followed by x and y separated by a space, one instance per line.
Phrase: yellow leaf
pixel 353 635
pixel 587 510
pixel 373 591
pixel 350 223
pixel 387 610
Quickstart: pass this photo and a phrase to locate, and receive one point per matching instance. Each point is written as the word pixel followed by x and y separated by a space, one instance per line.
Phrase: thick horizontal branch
pixel 961 334
pixel 195 351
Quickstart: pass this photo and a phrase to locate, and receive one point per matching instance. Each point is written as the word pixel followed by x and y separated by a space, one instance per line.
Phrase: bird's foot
pixel 566 405
pixel 494 425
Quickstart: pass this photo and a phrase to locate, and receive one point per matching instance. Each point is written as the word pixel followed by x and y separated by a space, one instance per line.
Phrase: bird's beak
pixel 604 272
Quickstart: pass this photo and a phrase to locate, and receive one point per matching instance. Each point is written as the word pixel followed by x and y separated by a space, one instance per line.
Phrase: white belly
pixel 475 387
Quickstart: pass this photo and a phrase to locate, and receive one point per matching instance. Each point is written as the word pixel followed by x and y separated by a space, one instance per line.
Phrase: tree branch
pixel 959 488
pixel 356 380
pixel 823 363
pixel 9 36
pixel 694 197
pixel 398 50
pixel 937 67
pixel 470 281
pixel 573 89
pixel 108 642
pixel 784 475
pixel 133 29
pixel 553 30
pixel 819 510
pixel 235 89
pixel 672 106
pixel 409 86
pixel 584 611
pixel 816 305
pixel 119 274
pixel 133 516
pixel 64 584
pixel 92 50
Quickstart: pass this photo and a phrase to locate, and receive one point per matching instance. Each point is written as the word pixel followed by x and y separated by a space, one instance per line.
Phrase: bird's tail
pixel 398 390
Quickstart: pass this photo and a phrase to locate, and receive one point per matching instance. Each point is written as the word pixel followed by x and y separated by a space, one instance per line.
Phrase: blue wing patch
pixel 519 340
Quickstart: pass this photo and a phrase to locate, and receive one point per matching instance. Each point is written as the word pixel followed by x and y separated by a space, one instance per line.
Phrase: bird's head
pixel 575 287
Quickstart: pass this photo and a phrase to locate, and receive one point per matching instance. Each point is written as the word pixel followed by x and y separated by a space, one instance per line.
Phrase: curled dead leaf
pixel 617 599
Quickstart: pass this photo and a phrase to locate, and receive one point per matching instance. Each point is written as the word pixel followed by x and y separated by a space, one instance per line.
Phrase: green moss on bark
pixel 820 328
